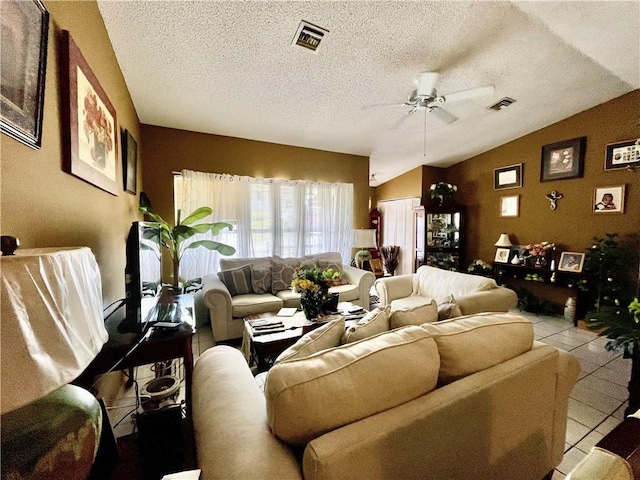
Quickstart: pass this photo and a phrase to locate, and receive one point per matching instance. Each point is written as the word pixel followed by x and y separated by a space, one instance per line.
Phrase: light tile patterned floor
pixel 596 404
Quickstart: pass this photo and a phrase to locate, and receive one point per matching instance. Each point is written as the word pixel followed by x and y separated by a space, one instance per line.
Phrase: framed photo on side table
pixel 571 262
pixel 608 199
pixel 25 29
pixel 93 130
pixel 563 160
pixel 507 177
pixel 502 255
pixel 622 155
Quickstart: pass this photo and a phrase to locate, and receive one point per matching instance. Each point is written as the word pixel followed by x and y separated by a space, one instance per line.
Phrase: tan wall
pixel 572 224
pixel 414 183
pixel 168 150
pixel 41 204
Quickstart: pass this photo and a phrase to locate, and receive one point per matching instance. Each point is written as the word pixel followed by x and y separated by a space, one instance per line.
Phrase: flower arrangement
pixel 313 286
pixel 479 267
pixel 539 249
pixel 97 125
pixel 442 190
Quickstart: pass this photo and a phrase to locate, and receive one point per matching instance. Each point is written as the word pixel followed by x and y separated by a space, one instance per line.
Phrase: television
pixel 143 274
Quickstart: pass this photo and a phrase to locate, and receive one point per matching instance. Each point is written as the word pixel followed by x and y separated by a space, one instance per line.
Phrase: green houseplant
pixel 605 283
pixel 173 237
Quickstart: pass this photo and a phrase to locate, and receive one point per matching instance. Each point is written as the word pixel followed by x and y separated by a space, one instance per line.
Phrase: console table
pixel 165 344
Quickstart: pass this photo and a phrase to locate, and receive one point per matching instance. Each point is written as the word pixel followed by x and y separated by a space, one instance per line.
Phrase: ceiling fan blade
pixel 442 115
pixel 367 107
pixel 427 83
pixel 470 93
pixel 401 120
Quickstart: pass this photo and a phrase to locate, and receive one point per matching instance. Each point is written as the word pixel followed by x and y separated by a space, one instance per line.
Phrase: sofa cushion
pixel 476 342
pixel 261 278
pixel 363 379
pixel 414 316
pixel 282 273
pixel 373 323
pixel 412 301
pixel 323 337
pixel 439 284
pixel 448 308
pixel 237 280
pixel 251 304
pixel 290 299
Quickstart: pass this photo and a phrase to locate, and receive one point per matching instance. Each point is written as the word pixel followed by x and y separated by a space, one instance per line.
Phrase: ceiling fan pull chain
pixel 424 144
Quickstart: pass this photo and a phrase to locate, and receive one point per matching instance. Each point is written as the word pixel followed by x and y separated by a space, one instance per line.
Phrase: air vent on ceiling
pixel 505 102
pixel 309 36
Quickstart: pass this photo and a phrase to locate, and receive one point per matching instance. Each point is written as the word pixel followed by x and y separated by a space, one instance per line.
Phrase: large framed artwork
pixel 622 155
pixel 129 162
pixel 563 160
pixel 93 149
pixel 507 177
pixel 23 50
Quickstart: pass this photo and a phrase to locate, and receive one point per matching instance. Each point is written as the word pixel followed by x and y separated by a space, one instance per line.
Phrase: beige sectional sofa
pixel 465 293
pixel 469 398
pixel 268 289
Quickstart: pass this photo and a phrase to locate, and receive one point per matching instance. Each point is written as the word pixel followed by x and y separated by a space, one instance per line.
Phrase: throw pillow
pixel 415 316
pixel 282 273
pixel 373 323
pixel 310 396
pixel 448 308
pixel 326 336
pixel 261 279
pixel 237 280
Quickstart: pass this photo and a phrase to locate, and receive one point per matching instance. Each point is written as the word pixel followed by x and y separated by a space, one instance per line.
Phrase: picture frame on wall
pixel 507 177
pixel 571 262
pixel 608 199
pixel 502 255
pixel 622 155
pixel 563 160
pixel 129 162
pixel 510 206
pixel 25 33
pixel 93 130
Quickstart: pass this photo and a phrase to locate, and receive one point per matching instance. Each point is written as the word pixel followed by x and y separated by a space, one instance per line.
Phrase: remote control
pixel 165 325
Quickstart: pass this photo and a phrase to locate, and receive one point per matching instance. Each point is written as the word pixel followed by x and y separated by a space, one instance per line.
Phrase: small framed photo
pixel 507 177
pixel 608 199
pixel 563 160
pixel 129 162
pixel 502 255
pixel 571 262
pixel 509 206
pixel 622 155
pixel 25 28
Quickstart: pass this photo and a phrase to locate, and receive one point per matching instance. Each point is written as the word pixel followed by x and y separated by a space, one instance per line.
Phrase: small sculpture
pixel 553 197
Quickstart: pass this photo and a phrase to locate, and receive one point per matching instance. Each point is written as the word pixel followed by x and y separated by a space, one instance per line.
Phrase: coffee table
pixel 264 348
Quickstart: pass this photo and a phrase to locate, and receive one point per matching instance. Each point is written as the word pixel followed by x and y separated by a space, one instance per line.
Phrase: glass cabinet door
pixel 443 238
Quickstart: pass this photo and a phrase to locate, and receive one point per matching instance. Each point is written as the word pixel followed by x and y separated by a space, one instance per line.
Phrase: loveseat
pixel 261 285
pixel 456 293
pixel 468 398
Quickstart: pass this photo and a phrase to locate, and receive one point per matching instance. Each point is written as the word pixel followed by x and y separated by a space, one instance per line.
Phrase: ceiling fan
pixel 426 98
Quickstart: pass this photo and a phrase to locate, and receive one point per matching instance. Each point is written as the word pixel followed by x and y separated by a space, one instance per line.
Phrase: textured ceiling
pixel 228 68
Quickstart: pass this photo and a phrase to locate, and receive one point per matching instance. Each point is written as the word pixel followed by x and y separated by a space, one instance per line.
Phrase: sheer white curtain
pixel 398 228
pixel 289 218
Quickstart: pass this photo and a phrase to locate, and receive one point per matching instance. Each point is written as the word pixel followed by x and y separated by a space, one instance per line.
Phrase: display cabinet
pixel 444 235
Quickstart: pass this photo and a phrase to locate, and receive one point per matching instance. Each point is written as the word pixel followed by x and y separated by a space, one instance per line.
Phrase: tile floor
pixel 596 404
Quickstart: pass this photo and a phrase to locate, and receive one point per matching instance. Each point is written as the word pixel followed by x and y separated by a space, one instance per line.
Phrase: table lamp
pixel 503 241
pixel 52 328
pixel 363 239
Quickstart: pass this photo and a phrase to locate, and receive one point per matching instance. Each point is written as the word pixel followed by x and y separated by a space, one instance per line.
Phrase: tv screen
pixel 143 273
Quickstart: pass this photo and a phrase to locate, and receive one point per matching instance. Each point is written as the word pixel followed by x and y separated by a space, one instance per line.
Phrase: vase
pixel 311 304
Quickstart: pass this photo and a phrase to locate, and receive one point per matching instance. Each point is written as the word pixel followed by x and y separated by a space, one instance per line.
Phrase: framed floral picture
pixel 93 131
pixel 563 160
pixel 129 162
pixel 608 199
pixel 25 28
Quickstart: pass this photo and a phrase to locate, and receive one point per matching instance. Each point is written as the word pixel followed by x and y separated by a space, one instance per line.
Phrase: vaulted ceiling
pixel 229 68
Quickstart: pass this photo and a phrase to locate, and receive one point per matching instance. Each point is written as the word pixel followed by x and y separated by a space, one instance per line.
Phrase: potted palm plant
pixel 173 237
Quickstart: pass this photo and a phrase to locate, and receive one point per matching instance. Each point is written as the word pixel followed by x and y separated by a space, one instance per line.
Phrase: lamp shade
pixel 503 241
pixel 52 321
pixel 364 238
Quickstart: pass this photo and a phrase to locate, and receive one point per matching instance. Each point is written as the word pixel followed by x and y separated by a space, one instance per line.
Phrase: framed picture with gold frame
pixel 510 206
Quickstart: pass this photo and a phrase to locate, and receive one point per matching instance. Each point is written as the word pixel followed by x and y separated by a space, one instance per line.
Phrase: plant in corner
pixel 173 237
pixel 606 284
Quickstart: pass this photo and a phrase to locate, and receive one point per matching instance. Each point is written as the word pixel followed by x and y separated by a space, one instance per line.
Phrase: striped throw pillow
pixel 237 280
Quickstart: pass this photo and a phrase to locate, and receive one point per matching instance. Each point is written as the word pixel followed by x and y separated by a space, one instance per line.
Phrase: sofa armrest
pixel 499 299
pixel 392 288
pixel 232 435
pixel 217 299
pixel 363 279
